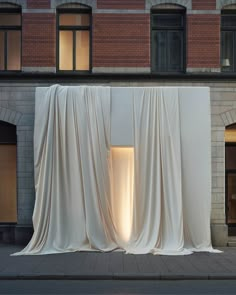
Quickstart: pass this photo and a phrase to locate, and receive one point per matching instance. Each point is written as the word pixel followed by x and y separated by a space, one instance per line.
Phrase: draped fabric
pixel 71 146
pixel 158 193
pixel 94 197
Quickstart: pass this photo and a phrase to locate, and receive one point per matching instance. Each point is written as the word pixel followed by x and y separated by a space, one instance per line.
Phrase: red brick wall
pixel 38 3
pixel 121 40
pixel 203 41
pixel 39 34
pixel 121 4
pixel 204 4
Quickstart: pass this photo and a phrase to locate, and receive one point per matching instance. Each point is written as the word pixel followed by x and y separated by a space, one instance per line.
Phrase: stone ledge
pixel 120 276
pixel 219 234
pixel 203 70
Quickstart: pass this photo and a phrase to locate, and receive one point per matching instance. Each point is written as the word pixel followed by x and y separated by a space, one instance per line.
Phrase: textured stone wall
pixel 17 107
pixel 203 39
pixel 38 4
pixel 121 40
pixel 203 4
pixel 121 4
pixel 38 40
pixel 223 100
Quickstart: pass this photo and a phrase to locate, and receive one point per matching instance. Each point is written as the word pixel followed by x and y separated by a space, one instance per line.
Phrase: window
pixel 74 30
pixel 228 41
pixel 168 40
pixel 230 174
pixel 8 202
pixel 10 39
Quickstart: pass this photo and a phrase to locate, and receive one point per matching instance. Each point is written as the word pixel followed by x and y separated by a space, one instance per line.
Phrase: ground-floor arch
pixel 8 195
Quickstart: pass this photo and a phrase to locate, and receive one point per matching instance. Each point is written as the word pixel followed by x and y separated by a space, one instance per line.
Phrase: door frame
pixel 227 172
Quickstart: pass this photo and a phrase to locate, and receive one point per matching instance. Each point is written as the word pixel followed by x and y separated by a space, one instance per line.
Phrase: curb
pixel 119 276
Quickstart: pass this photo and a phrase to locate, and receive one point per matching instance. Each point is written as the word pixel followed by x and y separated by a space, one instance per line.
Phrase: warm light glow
pixel 82 50
pixel 66 50
pixel 122 160
pixel 66 54
pixel 14 50
pixel 230 135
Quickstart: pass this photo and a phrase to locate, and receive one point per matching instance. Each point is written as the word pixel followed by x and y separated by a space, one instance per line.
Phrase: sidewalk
pixel 117 266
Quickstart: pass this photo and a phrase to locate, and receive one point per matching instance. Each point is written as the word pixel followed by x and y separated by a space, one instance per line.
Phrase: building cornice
pixel 114 77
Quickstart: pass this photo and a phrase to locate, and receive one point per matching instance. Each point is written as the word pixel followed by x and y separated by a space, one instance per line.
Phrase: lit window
pixel 10 39
pixel 74 26
pixel 168 39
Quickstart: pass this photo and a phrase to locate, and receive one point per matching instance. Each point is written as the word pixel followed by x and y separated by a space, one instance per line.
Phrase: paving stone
pixel 117 265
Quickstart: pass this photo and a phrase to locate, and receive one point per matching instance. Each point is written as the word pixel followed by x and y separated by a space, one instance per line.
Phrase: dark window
pixel 7 133
pixel 168 41
pixel 230 175
pixel 10 39
pixel 74 39
pixel 228 41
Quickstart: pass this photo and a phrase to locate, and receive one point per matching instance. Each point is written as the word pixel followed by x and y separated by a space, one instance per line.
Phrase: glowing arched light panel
pixel 230 135
pixel 122 160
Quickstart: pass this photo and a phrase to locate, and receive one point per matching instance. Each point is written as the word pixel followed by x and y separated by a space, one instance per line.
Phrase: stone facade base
pixel 219 235
pixel 23 234
pixel 19 234
pixel 7 233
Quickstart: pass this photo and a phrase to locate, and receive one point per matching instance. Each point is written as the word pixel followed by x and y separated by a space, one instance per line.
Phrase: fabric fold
pixel 72 142
pixel 92 197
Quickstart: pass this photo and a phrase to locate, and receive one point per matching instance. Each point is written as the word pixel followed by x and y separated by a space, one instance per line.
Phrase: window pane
pixel 8 204
pixel 66 50
pixel 1 51
pixel 227 51
pixel 159 52
pixel 228 21
pixel 82 50
pixel 230 156
pixel 13 50
pixel 10 19
pixel 74 19
pixel 175 51
pixel 231 189
pixel 168 20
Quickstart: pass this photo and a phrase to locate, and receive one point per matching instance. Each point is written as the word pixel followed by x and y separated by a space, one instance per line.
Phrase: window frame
pixel 228 12
pixel 5 29
pixel 87 10
pixel 227 172
pixel 153 28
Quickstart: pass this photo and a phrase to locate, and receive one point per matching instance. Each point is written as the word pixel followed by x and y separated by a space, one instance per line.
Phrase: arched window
pixel 168 38
pixel 230 175
pixel 8 204
pixel 228 38
pixel 10 37
pixel 74 34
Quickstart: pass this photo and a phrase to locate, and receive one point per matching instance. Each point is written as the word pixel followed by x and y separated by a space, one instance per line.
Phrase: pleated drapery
pixel 158 194
pixel 94 197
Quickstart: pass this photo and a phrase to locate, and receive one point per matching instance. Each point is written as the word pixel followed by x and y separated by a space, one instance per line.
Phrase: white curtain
pixel 71 146
pixel 90 196
pixel 158 218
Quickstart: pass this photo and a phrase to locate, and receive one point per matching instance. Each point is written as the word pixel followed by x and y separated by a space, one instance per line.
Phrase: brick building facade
pixel 121 42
